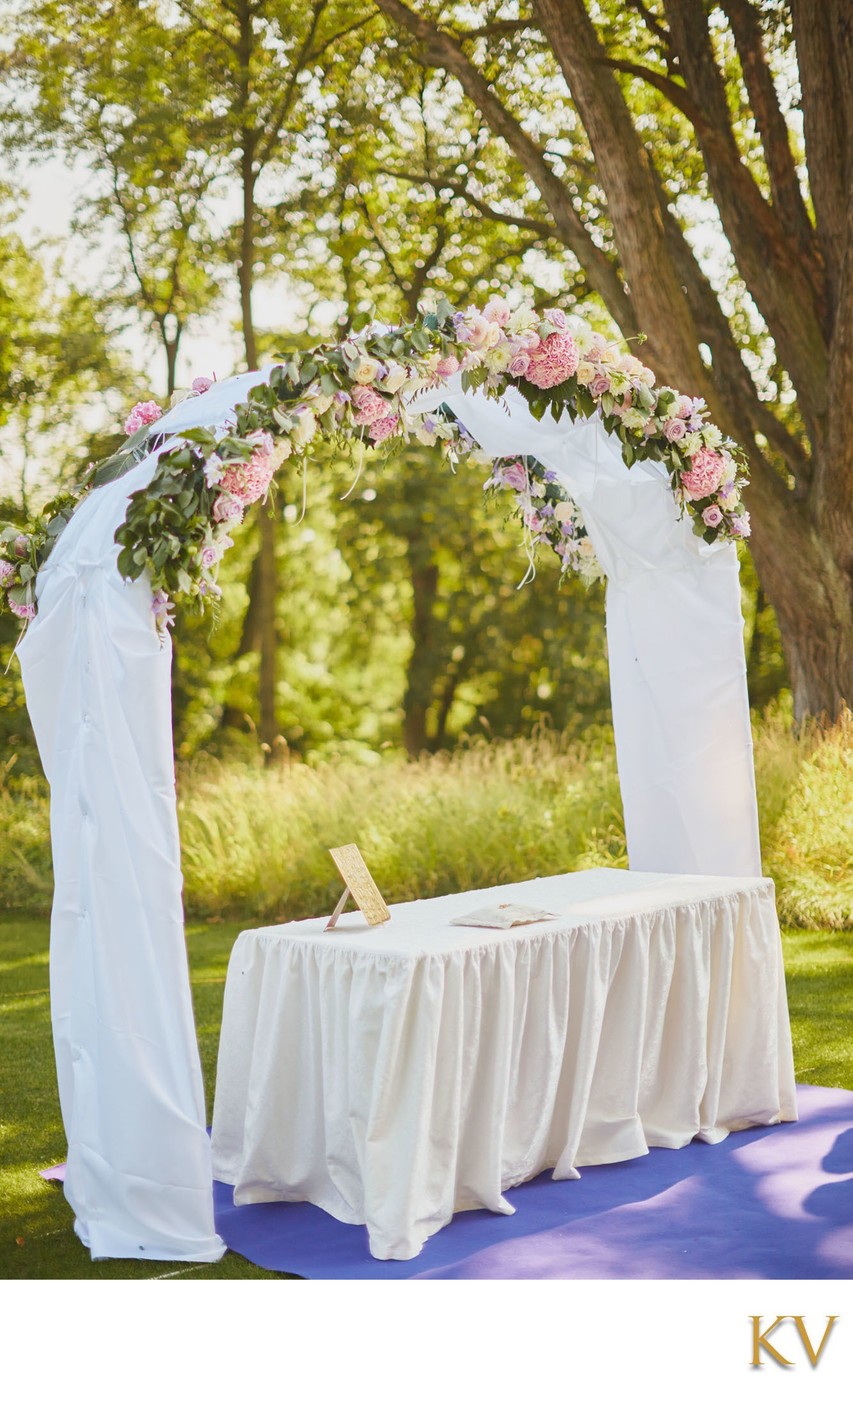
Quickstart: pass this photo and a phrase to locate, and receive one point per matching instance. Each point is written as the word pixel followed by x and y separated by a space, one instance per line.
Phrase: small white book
pixel 503 915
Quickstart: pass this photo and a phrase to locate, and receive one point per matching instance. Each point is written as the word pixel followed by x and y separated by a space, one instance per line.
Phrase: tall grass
pixel 255 841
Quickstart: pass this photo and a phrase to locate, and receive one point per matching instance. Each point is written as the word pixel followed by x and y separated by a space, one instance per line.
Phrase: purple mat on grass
pixel 772 1202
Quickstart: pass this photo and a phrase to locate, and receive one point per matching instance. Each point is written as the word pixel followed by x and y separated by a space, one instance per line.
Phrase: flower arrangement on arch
pixel 364 389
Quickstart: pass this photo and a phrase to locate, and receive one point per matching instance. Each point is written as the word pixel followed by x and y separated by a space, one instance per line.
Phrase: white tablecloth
pixel 396 1074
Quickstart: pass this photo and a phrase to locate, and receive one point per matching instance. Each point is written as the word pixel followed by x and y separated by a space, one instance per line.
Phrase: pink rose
pixel 514 476
pixel 209 557
pixel 557 319
pixel 201 384
pixel 24 612
pixel 704 475
pixel 674 430
pixel 600 385
pixel 520 364
pixel 144 412
pixel 497 310
pixel 370 406
pixel 227 509
pixel 21 547
pixel 381 429
pixel 476 332
pixel 447 366
pixel 554 361
pixel 712 516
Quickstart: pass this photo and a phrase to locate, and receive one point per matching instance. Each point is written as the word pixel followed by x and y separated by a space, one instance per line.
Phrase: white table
pixel 394 1075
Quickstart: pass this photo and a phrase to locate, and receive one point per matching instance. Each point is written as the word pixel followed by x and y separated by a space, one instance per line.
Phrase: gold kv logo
pixel 797 1338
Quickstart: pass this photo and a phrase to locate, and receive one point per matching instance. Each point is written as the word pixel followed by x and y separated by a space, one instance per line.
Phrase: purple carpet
pixel 773 1202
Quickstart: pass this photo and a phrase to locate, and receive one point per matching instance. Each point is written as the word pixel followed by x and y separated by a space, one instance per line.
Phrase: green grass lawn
pixel 36 1234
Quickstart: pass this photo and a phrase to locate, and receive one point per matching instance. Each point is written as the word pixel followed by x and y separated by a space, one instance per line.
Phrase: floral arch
pixel 373 388
pixel 558 413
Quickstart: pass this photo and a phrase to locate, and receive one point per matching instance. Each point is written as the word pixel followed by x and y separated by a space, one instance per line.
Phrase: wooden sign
pixel 360 885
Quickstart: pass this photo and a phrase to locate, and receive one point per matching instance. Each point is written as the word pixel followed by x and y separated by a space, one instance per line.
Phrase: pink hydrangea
pixel 144 412
pixel 7 571
pixel 553 361
pixel 447 366
pixel 704 475
pixel 227 509
pixel 201 385
pixel 370 406
pixel 24 612
pixel 249 481
pixel 381 429
pixel 712 516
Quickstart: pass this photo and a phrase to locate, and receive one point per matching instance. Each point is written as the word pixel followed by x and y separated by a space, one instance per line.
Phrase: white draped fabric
pixel 97 680
pixel 398 1074
pixel 98 686
pixel 675 643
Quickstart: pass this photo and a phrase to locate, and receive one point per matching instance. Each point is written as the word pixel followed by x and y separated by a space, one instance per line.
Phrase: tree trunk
pixel 420 675
pixel 171 346
pixel 267 573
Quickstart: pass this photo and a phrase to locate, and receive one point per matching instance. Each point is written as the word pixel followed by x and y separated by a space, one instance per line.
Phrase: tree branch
pixel 772 128
pixel 443 50
pixel 771 265
pixel 274 120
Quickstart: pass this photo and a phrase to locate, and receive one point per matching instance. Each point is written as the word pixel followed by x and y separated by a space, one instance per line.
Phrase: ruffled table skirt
pixel 398 1074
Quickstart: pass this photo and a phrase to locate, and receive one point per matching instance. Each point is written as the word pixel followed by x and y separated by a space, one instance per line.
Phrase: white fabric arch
pixel 675 643
pixel 97 680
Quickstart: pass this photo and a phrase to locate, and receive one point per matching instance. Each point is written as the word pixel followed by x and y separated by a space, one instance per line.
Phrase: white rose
pixel 321 403
pixel 564 512
pixel 304 429
pixel 646 375
pixel 586 373
pixel 364 370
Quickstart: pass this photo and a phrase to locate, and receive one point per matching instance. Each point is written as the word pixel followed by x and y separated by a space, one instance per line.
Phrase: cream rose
pixel 364 371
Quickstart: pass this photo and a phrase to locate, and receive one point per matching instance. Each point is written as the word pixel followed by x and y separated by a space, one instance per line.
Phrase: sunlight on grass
pixel 255 841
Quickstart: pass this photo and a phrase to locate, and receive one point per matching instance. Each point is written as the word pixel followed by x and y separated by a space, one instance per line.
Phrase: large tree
pixel 684 109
